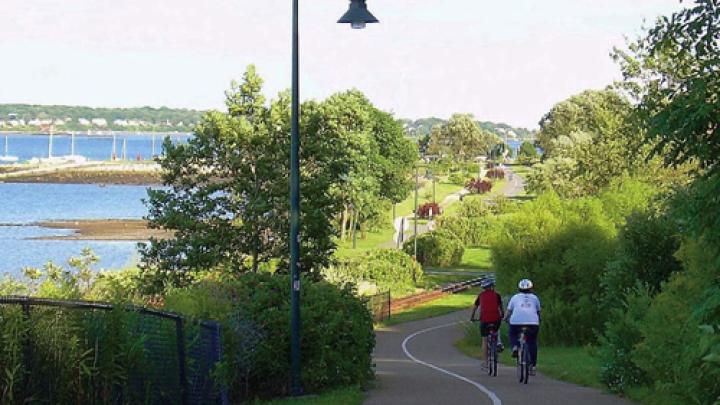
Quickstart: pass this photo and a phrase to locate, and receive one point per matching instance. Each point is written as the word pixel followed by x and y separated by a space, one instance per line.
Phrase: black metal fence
pixel 97 353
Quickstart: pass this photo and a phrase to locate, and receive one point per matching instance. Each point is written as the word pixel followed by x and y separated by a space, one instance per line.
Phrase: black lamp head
pixel 357 15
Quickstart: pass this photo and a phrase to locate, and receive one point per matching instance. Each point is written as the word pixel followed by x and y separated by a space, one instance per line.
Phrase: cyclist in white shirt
pixel 524 310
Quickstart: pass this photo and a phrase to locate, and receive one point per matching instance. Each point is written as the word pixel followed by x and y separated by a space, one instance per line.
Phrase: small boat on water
pixel 7 158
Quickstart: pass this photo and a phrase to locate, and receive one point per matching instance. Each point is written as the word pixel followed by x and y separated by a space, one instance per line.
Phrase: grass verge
pixel 345 396
pixel 441 306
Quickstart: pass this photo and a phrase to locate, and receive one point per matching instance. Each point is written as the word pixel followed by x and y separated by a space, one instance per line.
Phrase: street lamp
pixel 357 16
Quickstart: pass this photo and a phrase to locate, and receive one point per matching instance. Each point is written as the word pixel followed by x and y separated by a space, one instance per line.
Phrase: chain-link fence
pixel 69 352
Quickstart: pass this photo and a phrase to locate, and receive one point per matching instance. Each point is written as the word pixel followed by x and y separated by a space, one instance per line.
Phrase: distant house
pixel 59 122
pixel 120 123
pixel 84 122
pixel 180 124
pixel 34 122
pixel 2 124
pixel 46 122
pixel 99 122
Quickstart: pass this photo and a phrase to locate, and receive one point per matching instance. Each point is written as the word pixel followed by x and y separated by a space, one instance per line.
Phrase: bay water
pixel 23 205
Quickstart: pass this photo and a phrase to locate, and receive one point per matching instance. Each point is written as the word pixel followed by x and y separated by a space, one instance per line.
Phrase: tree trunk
pixel 343 223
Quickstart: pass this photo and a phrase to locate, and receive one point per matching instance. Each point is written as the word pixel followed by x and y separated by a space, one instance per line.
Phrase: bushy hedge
pixel 254 310
pixel 440 248
pixel 383 269
pixel 564 247
pixel 427 208
pixel 472 231
pixel 664 333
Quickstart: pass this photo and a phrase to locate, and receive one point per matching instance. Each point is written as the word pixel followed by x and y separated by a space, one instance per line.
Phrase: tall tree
pixel 226 190
pixel 461 138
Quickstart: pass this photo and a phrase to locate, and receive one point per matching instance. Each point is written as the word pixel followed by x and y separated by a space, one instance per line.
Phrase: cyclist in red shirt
pixel 491 311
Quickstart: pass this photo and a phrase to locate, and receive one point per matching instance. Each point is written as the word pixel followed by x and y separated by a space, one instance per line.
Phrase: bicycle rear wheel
pixel 527 361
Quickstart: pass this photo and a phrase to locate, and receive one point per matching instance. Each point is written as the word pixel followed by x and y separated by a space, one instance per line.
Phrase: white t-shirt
pixel 524 309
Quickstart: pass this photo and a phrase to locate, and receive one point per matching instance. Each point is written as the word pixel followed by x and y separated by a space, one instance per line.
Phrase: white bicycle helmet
pixel 525 284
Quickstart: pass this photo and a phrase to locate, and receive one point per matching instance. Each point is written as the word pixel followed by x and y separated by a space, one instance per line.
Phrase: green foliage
pixel 76 356
pixel 459 178
pixel 621 334
pixel 527 151
pixel 254 310
pixel 472 231
pixel 563 247
pixel 384 269
pixel 460 139
pixel 673 72
pixel 440 248
pixel 687 310
pixel 226 195
pixel 645 256
pixel 588 141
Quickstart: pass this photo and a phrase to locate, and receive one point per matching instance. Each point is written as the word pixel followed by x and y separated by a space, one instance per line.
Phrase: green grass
pixel 577 365
pixel 441 306
pixel 345 396
pixel 476 258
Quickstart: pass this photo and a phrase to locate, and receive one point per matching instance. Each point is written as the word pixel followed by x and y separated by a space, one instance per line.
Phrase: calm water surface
pixel 22 205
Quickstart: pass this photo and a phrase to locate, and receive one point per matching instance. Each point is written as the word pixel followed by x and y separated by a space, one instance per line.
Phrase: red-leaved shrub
pixel 479 186
pixel 496 173
pixel 424 210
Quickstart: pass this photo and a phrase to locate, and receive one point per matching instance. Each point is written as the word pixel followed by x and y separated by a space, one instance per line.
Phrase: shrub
pixel 425 210
pixel 336 342
pixel 472 207
pixel 472 231
pixel 385 269
pixel 479 186
pixel 437 248
pixel 458 178
pixel 496 173
pixel 563 246
pixel 622 333
pixel 680 349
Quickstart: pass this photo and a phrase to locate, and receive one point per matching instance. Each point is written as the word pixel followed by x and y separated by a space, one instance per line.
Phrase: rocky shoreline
pixel 105 230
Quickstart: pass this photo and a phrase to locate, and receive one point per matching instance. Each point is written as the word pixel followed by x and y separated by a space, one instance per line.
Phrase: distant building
pixel 84 122
pixel 34 122
pixel 99 122
pixel 180 124
pixel 59 122
pixel 2 124
pixel 120 123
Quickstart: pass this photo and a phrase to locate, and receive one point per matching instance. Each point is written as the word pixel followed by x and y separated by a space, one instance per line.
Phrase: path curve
pixel 408 358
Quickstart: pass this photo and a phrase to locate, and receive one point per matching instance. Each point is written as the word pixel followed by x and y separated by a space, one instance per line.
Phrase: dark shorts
pixel 485 327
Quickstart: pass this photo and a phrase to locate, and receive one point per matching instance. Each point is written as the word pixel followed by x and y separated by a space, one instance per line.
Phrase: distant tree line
pixel 145 118
pixel 423 127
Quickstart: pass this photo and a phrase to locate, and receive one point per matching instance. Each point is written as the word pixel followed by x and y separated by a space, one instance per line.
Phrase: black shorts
pixel 485 328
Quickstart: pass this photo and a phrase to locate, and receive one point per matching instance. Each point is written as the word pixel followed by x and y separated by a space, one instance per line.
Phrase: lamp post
pixel 357 16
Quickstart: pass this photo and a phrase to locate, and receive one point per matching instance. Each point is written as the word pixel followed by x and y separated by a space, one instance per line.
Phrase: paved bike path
pixel 428 369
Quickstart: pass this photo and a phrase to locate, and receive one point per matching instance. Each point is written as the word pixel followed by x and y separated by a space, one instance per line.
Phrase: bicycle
pixel 491 355
pixel 491 352
pixel 524 361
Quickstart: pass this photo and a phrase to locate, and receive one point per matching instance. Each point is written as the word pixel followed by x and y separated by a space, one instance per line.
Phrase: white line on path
pixel 490 394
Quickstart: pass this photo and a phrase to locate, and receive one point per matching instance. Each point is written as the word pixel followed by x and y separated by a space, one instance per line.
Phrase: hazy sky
pixel 502 60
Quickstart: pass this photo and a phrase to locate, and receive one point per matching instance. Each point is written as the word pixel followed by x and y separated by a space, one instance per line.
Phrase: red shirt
pixel 490 303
